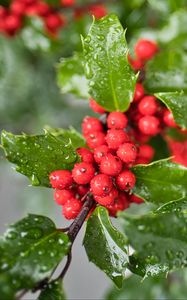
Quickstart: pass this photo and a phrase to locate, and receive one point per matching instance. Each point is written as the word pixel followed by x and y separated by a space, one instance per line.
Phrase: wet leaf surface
pixel 53 291
pixel 106 246
pixel 111 80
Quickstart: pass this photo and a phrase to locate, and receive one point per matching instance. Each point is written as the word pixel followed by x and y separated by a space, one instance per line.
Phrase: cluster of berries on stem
pixel 116 142
pixel 13 18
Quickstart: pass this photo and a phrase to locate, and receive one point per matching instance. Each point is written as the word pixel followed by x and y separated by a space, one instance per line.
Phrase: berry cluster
pixel 12 19
pixel 115 144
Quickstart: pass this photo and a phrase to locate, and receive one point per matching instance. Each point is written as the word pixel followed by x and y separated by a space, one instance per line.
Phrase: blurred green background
pixel 31 99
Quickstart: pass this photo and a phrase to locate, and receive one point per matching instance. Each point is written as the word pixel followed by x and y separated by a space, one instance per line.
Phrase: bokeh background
pixel 30 99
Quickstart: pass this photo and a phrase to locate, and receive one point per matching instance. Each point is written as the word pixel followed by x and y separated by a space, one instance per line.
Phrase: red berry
pixel 136 199
pixel 53 22
pixel 67 2
pixel 101 185
pixel 145 49
pixel 149 125
pixel 83 172
pixel 82 189
pixel 12 24
pixel 139 92
pixel 126 180
pixel 127 152
pixel 42 9
pixel 61 179
pixel 17 8
pixel 116 137
pixel 72 208
pixel 97 10
pixel 86 155
pixel 136 63
pixel 168 118
pixel 90 125
pixel 95 139
pixel 100 152
pixel 96 107
pixel 3 12
pixel 111 165
pixel 62 196
pixel 146 151
pixel 109 199
pixel 117 120
pixel 148 105
pixel 120 204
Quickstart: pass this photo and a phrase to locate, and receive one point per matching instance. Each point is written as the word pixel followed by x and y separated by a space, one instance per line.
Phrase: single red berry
pixel 97 10
pixel 96 107
pixel 117 120
pixel 95 139
pixel 146 151
pixel 111 165
pixel 148 105
pixel 142 161
pixel 72 208
pixel 86 155
pixel 126 180
pixel 136 199
pixel 17 8
pixel 82 190
pixel 168 118
pixel 90 125
pixel 62 196
pixel 116 137
pixel 54 21
pixel 67 3
pixel 100 152
pixel 135 63
pixel 109 199
pixel 127 152
pixel 61 179
pixel 139 92
pixel 42 9
pixel 83 172
pixel 101 185
pixel 145 49
pixel 120 204
pixel 12 24
pixel 149 125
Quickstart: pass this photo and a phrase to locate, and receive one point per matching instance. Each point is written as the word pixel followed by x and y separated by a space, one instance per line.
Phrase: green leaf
pixel 159 240
pixel 53 291
pixel 105 245
pixel 71 77
pixel 177 103
pixel 77 140
pixel 37 156
pixel 167 72
pixel 160 146
pixel 161 181
pixel 153 288
pixel 111 80
pixel 30 250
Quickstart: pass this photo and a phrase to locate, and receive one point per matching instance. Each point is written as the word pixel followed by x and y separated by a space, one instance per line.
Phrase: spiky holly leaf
pixel 36 156
pixel 111 79
pixel 106 246
pixel 30 251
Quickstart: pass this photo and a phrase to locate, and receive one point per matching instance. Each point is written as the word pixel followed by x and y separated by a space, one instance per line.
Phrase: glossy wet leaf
pixel 160 146
pixel 111 80
pixel 30 250
pixel 36 156
pixel 161 181
pixel 159 241
pixel 106 246
pixel 53 291
pixel 167 72
pixel 173 206
pixel 153 288
pixel 71 77
pixel 77 140
pixel 177 103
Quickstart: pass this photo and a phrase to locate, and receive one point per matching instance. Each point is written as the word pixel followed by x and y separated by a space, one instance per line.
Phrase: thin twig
pixel 68 262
